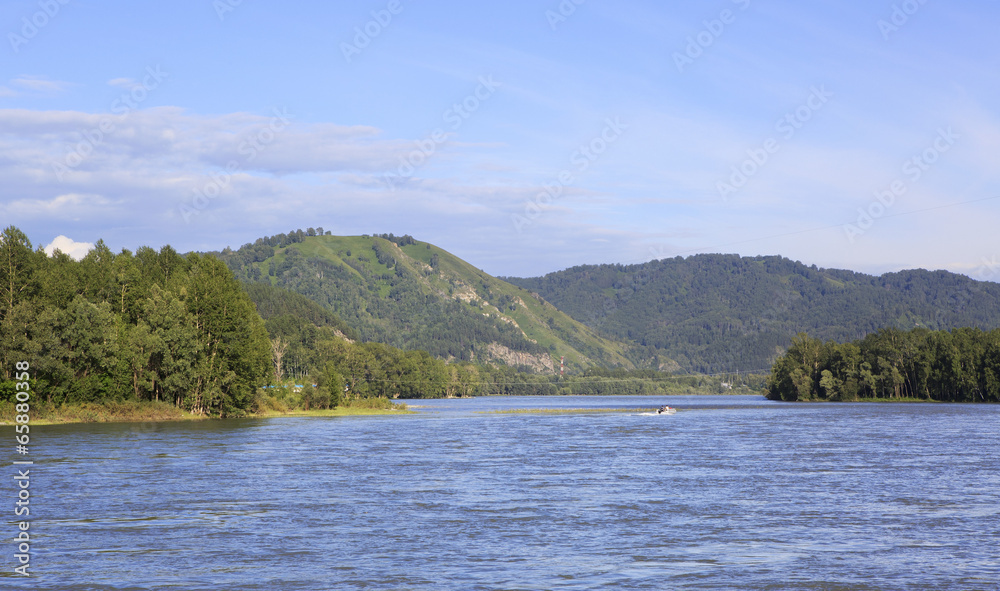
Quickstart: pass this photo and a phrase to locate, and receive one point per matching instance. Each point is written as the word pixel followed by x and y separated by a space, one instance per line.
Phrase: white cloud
pixel 67 206
pixel 76 250
pixel 126 83
pixel 39 84
pixel 655 191
pixel 167 139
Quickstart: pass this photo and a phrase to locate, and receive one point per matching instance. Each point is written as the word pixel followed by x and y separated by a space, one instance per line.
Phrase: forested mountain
pixel 718 313
pixel 413 295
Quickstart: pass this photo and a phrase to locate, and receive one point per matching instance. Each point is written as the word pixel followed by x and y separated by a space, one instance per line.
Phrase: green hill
pixel 414 295
pixel 722 313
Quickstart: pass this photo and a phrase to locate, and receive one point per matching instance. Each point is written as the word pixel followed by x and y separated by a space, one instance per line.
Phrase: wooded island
pixel 962 365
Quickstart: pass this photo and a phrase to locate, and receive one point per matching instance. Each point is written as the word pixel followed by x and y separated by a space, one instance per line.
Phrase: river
pixel 732 492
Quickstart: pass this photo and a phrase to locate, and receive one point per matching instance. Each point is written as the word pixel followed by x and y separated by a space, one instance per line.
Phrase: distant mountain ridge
pixel 721 313
pixel 710 313
pixel 414 295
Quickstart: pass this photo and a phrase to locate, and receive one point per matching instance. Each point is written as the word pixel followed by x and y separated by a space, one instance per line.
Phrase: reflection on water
pixel 732 492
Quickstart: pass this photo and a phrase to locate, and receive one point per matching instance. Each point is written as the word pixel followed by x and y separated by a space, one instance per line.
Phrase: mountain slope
pixel 413 295
pixel 715 313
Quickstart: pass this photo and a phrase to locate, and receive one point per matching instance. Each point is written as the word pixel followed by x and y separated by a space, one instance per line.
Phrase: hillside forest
pixel 715 313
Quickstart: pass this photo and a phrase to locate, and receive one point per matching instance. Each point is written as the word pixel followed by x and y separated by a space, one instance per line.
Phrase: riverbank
pixel 144 412
pixel 561 411
pixel 340 411
pixel 900 400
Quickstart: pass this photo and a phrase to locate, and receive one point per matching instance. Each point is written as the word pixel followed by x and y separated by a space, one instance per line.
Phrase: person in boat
pixel 662 409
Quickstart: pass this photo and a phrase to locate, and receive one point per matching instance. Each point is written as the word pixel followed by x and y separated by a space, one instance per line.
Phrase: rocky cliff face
pixel 539 363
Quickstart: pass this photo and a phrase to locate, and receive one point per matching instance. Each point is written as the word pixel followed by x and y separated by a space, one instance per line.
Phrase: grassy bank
pixel 358 406
pixel 900 399
pixel 562 411
pixel 340 411
pixel 106 412
pixel 141 412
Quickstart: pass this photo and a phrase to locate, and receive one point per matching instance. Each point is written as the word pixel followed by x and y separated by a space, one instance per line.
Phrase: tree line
pixel 961 365
pixel 144 326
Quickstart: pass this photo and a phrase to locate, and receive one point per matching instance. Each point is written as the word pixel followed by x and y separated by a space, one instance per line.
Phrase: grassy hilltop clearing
pixel 414 295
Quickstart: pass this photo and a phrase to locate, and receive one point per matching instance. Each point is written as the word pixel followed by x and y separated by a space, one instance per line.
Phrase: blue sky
pixel 525 136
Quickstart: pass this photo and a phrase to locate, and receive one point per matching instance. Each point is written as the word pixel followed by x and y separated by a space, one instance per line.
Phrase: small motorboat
pixel 665 410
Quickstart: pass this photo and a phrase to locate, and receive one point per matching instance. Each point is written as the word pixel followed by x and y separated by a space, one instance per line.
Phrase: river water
pixel 732 492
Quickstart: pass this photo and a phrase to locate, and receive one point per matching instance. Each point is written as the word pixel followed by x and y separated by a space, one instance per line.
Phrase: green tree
pixel 334 384
pixel 97 271
pixel 237 356
pixel 831 385
pixel 175 352
pixel 18 285
pixel 76 351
